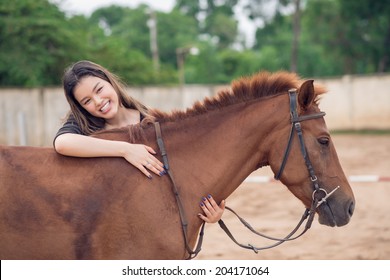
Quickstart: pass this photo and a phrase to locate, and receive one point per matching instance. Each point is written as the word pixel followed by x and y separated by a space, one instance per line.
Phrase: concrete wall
pixel 33 116
pixel 357 102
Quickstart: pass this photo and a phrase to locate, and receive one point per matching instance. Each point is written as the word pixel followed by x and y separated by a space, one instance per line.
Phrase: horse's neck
pixel 214 152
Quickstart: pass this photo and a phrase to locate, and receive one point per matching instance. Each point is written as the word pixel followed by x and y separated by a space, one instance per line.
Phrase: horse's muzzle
pixel 333 213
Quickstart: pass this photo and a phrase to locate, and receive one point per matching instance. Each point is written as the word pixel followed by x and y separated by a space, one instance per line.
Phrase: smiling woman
pixel 98 101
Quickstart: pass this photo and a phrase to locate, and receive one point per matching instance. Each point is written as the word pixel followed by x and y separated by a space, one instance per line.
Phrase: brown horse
pixel 57 207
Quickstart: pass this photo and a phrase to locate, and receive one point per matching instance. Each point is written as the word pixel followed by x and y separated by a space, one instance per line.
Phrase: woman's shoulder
pixel 70 126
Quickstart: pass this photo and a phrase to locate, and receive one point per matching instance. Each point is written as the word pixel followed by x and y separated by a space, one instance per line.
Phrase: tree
pixel 224 28
pixel 258 10
pixel 205 68
pixel 37 40
pixel 296 34
pixel 35 43
pixel 323 32
pixel 175 30
pixel 369 49
pixel 129 34
pixel 273 42
pixel 215 19
pixel 355 35
pixel 236 64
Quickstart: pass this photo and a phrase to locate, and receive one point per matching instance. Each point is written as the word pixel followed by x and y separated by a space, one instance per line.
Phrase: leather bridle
pixel 319 195
pixel 183 218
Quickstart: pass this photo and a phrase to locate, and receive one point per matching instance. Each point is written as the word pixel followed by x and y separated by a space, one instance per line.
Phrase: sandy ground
pixel 273 210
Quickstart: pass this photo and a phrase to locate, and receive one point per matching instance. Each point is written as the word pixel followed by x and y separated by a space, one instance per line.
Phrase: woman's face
pixel 97 96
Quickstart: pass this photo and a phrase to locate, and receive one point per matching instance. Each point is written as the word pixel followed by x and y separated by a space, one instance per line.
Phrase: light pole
pixel 180 56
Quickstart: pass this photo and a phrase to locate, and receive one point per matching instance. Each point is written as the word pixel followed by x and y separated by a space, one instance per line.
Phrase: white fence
pixel 33 116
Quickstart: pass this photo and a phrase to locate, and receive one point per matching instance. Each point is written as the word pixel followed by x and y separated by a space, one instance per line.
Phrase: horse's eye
pixel 323 141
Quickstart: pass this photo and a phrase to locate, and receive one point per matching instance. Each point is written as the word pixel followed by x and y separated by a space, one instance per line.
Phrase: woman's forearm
pixel 141 156
pixel 70 144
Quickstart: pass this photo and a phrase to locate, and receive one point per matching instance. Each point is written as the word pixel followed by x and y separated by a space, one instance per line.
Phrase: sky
pixel 86 7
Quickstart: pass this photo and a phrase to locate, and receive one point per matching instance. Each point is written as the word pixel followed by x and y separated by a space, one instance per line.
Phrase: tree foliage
pixel 214 18
pixel 38 40
pixel 34 43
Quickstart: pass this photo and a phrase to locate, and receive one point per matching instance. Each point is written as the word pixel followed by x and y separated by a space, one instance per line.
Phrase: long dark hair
pixel 72 76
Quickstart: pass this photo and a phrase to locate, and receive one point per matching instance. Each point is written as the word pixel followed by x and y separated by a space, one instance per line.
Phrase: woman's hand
pixel 213 212
pixel 141 156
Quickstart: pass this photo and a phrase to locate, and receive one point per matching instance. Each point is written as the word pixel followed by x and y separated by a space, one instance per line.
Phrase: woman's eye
pixel 99 89
pixel 87 102
pixel 323 141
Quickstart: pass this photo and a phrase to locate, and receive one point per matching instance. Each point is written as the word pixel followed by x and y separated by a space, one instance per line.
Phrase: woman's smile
pixel 106 107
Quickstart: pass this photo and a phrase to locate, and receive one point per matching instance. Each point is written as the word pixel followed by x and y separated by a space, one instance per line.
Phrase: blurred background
pixel 172 53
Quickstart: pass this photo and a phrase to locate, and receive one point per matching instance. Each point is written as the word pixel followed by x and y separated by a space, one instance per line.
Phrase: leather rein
pixel 317 197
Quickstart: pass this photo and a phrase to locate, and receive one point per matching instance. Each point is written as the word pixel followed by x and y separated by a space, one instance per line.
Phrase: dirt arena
pixel 273 210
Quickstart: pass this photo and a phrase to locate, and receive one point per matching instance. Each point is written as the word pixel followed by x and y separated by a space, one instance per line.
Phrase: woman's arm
pixel 141 156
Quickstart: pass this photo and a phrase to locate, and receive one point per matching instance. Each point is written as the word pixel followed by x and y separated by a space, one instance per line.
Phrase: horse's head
pixel 311 168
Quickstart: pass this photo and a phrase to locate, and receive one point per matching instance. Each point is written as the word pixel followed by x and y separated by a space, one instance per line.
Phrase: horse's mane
pixel 245 89
pixel 262 84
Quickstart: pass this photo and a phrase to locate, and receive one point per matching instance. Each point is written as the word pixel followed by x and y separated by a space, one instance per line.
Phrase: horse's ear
pixel 306 94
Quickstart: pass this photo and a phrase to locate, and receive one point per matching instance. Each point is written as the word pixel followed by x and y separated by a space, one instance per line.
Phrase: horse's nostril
pixel 351 209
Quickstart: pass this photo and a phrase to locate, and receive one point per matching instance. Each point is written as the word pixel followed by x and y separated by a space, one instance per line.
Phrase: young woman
pixel 98 101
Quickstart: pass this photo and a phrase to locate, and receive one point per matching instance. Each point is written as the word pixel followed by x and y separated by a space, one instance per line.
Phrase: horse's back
pixel 56 207
pixel 28 221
